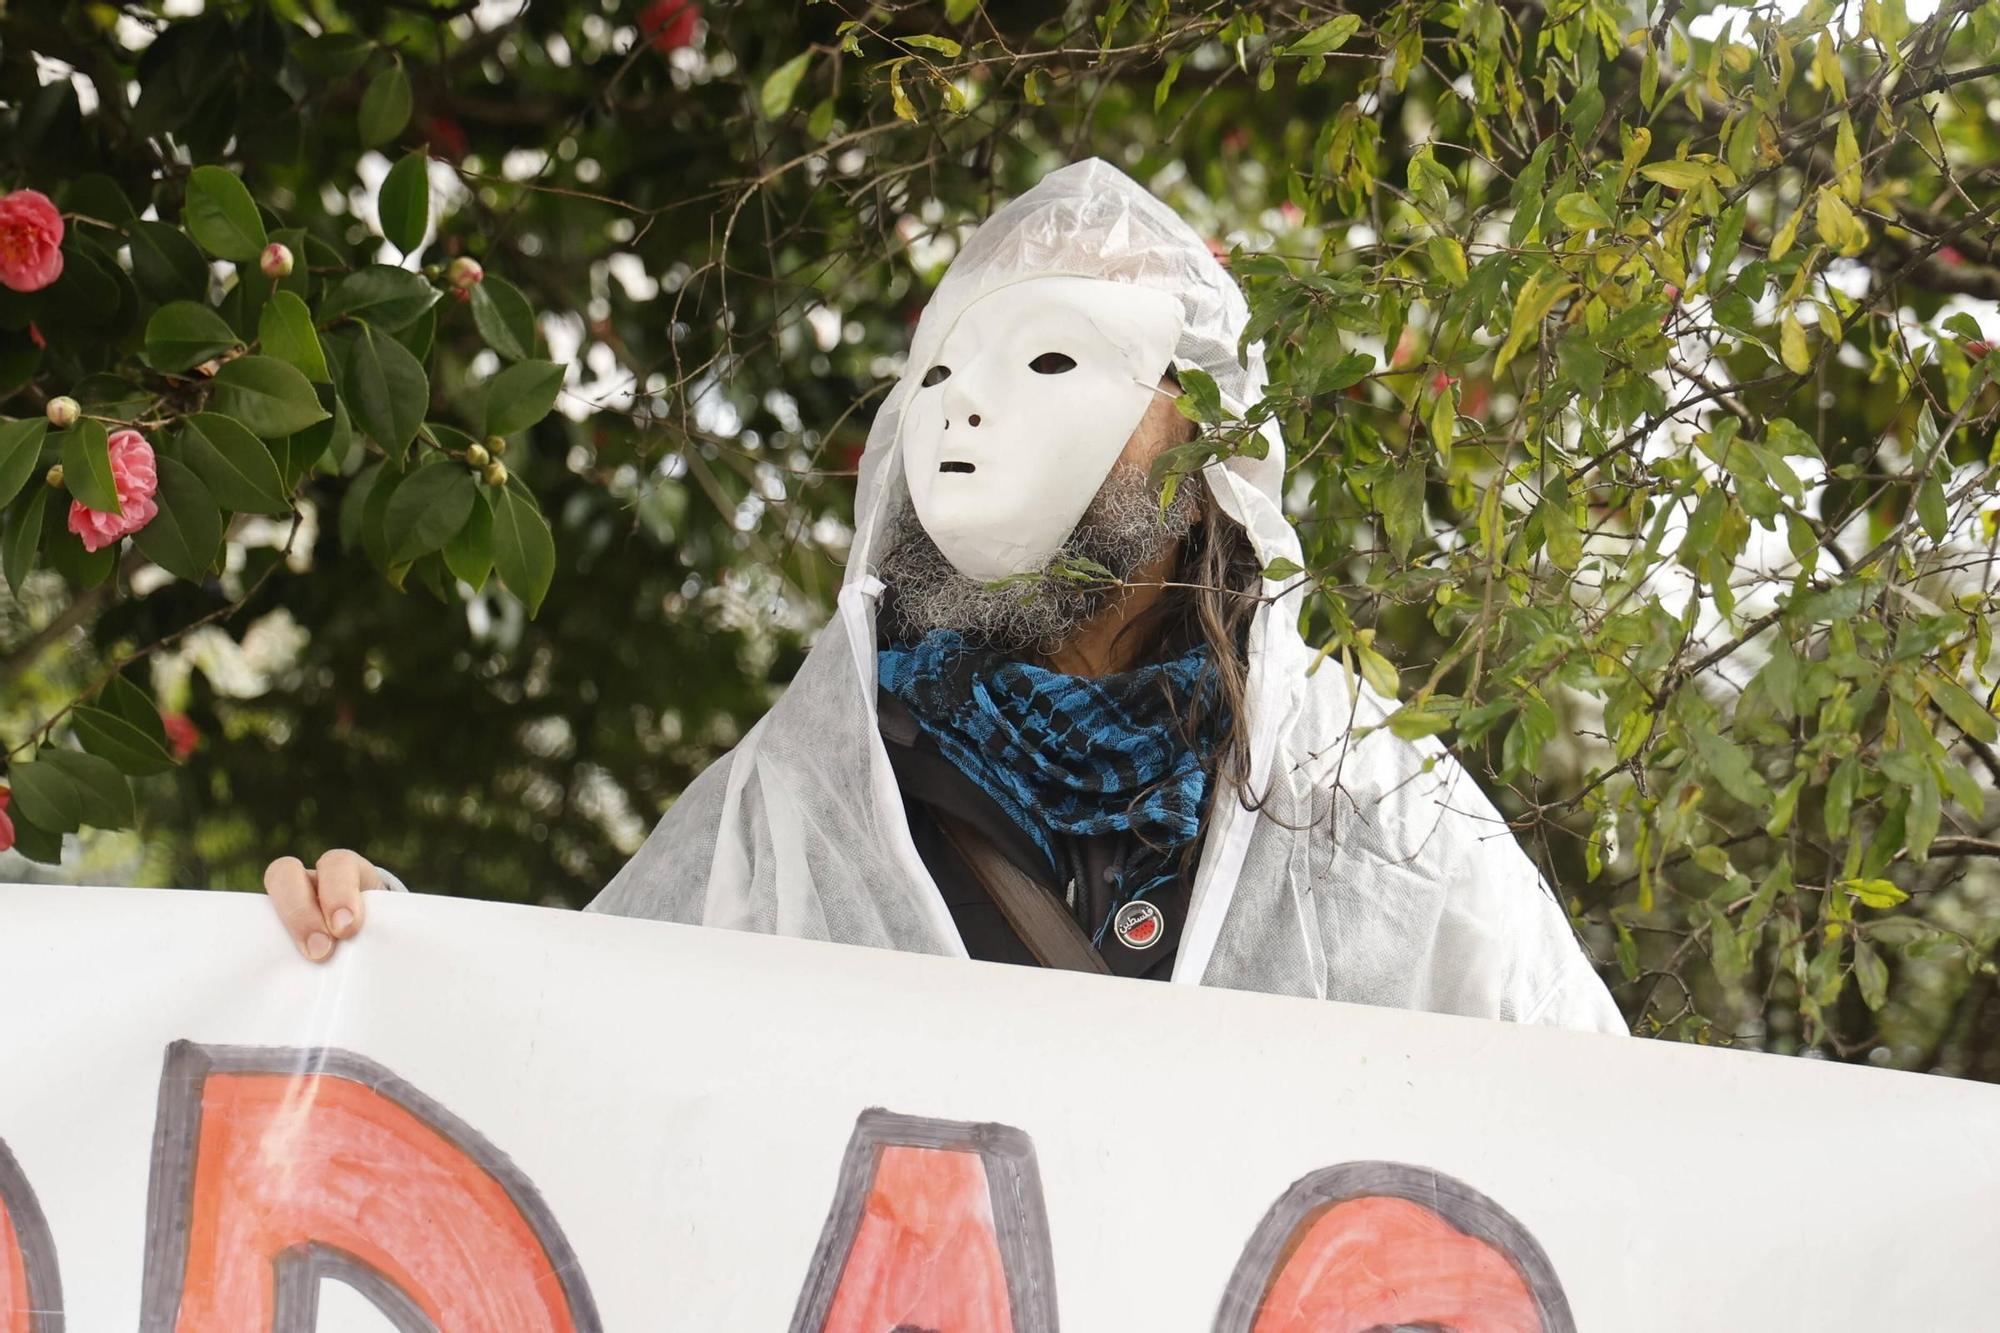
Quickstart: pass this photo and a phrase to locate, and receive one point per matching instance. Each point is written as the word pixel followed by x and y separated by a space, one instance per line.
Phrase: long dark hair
pixel 1211 597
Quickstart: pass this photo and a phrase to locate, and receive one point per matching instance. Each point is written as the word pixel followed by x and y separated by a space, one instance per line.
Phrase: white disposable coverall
pixel 1376 871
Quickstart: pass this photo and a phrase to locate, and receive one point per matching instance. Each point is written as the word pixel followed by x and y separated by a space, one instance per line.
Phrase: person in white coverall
pixel 1059 715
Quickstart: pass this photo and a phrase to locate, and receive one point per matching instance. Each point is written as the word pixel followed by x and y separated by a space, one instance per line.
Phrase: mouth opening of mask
pixel 954 466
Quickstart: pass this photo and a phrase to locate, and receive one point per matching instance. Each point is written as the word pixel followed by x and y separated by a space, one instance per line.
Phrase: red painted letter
pixel 274 1168
pixel 935 1225
pixel 1380 1245
pixel 30 1291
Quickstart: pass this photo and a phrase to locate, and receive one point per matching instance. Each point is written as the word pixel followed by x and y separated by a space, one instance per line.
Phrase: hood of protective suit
pixel 800 830
pixel 1090 220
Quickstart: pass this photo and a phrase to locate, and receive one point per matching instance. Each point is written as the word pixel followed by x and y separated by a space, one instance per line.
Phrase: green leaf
pixel 104 796
pixel 418 334
pixel 775 97
pixel 1722 251
pixel 1281 569
pixel 1586 109
pixel 112 737
pixel 524 551
pixel 285 330
pixel 222 216
pixel 1414 723
pixel 24 537
pixel 186 534
pixel 1879 893
pixel 1787 803
pixel 1582 211
pixel 384 387
pixel 1931 509
pixel 1449 257
pixel 1200 399
pixel 469 555
pixel 267 395
pixel 1966 712
pixel 1400 500
pixel 427 510
pixel 86 465
pixel 1349 370
pixel 1921 821
pixel 404 202
pixel 944 46
pixel 1730 763
pixel 382 294
pixel 1326 37
pixel 20 450
pixel 385 107
pixel 96 195
pixel 166 265
pixel 521 395
pixel 183 334
pixel 126 700
pixel 236 466
pixel 354 505
pixel 1378 671
pixel 1871 974
pixel 1627 950
pixel 374 532
pixel 1842 602
pixel 1727 950
pixel 1678 175
pixel 504 318
pixel 1442 420
pixel 336 55
pixel 46 796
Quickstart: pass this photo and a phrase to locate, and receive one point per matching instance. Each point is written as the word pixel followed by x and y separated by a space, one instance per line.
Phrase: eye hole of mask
pixel 936 375
pixel 1052 363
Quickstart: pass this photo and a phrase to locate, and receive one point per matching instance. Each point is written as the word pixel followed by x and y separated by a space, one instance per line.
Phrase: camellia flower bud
pixel 63 412
pixel 496 473
pixel 465 272
pixel 276 260
pixel 54 476
pixel 476 455
pixel 496 445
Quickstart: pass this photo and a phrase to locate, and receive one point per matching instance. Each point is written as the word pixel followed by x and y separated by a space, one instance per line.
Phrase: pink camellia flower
pixel 6 824
pixel 31 233
pixel 137 478
pixel 669 24
pixel 182 735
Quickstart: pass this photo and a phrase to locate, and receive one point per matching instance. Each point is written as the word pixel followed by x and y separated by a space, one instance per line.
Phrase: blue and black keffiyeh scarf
pixel 1067 754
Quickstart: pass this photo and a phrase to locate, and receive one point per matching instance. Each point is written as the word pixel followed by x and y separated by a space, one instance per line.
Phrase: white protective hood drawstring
pixel 1407 890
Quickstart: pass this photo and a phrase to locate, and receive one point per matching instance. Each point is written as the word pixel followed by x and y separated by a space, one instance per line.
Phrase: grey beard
pixel 1124 530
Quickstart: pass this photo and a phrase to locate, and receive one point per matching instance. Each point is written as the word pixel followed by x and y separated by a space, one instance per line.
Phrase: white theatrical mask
pixel 1025 409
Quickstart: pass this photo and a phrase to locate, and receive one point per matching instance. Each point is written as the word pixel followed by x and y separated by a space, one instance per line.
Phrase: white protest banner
pixel 484 1119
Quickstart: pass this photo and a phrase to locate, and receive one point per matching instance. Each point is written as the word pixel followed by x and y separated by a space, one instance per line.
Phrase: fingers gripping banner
pixel 481 1119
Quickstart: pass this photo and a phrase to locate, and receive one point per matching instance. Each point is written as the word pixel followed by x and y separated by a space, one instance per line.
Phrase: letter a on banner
pixel 30 1290
pixel 936 1224
pixel 276 1168
pixel 1380 1245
